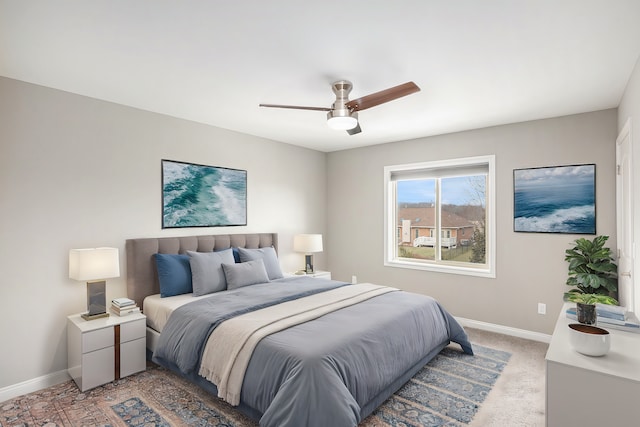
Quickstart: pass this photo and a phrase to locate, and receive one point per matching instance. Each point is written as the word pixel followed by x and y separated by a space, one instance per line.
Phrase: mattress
pixel 159 309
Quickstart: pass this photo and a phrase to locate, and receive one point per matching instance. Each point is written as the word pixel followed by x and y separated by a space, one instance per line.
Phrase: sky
pixel 549 176
pixel 455 191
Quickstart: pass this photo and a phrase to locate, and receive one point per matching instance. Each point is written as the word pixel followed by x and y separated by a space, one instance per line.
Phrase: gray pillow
pixel 207 275
pixel 245 274
pixel 268 255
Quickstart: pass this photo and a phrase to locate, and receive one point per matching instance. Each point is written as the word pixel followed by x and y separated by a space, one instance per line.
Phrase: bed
pixel 286 350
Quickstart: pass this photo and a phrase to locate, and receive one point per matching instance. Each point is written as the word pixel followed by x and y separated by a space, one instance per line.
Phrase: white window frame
pixel 390 221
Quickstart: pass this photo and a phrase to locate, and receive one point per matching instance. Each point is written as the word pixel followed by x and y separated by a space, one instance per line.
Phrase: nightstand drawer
pixel 130 331
pixel 133 357
pixel 97 339
pixel 97 368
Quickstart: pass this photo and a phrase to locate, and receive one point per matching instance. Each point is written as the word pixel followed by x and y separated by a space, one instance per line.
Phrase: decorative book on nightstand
pixel 103 350
pixel 124 306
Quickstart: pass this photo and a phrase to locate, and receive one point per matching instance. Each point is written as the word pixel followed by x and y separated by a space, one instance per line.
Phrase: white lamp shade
pixel 307 243
pixel 93 264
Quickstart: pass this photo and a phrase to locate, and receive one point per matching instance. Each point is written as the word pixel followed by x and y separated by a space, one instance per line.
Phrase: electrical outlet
pixel 542 308
pixel 354 280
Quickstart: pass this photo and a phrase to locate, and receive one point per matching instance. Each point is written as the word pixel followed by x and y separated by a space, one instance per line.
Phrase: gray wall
pixel 530 267
pixel 76 172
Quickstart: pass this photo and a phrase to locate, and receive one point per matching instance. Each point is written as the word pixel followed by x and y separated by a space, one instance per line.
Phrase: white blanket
pixel 230 345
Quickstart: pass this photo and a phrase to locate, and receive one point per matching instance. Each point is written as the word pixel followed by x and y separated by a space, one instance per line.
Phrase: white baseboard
pixel 506 330
pixel 32 385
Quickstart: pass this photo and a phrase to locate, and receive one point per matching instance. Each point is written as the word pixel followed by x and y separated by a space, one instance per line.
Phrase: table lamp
pixel 94 265
pixel 308 244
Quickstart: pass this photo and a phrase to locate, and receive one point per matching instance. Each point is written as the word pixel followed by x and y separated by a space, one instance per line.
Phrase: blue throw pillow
pixel 236 255
pixel 174 274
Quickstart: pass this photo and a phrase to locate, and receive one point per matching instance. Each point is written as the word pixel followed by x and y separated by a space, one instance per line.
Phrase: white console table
pixel 592 391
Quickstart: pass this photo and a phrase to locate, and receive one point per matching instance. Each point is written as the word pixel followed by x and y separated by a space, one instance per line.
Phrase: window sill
pixel 442 268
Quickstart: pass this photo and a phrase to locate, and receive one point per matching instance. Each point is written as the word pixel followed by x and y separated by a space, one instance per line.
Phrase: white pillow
pixel 245 274
pixel 268 255
pixel 207 275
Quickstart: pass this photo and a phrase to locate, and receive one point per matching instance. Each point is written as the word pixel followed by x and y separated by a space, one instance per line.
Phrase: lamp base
pixel 87 316
pixel 96 300
pixel 308 263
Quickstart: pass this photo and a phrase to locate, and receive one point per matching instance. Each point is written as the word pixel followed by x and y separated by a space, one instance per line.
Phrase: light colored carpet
pixel 518 396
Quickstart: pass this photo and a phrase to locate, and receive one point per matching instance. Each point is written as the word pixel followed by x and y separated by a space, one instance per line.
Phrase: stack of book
pixel 124 306
pixel 612 316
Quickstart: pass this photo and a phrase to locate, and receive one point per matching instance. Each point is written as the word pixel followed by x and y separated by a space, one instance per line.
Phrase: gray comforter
pixel 330 371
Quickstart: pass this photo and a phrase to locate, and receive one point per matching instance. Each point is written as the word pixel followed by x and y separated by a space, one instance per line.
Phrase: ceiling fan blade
pixel 295 107
pixel 383 96
pixel 355 130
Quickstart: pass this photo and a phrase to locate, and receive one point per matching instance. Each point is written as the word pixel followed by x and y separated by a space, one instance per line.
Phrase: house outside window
pixel 452 204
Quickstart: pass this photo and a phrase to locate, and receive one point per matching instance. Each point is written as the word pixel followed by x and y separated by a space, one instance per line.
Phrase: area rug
pixel 448 391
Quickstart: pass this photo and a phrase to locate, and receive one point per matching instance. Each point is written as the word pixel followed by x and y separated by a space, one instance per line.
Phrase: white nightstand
pixel 103 350
pixel 317 273
pixel 322 274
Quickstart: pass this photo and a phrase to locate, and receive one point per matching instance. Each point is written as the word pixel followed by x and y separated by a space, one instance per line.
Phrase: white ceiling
pixel 478 62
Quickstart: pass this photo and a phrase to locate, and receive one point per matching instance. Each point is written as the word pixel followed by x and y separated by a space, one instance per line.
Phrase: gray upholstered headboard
pixel 142 277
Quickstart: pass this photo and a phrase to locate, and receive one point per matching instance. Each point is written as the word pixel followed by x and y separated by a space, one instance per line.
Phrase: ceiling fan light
pixel 343 122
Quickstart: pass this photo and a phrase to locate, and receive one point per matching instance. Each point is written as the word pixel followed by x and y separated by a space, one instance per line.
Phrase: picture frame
pixel 555 199
pixel 195 195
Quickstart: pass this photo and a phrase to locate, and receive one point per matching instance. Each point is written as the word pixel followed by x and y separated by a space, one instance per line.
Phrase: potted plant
pixel 586 305
pixel 593 274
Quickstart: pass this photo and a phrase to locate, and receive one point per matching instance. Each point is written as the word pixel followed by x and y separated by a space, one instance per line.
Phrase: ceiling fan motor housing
pixel 341 117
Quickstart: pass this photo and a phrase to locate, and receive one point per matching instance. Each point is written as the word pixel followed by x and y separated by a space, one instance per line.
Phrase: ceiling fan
pixel 343 114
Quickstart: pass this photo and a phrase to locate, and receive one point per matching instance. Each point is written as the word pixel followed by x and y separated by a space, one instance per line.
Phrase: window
pixel 454 202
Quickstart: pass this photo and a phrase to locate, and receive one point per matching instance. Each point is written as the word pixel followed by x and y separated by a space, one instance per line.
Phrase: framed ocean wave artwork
pixel 196 195
pixel 557 199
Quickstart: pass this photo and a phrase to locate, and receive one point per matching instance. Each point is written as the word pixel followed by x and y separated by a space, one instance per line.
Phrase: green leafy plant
pixel 592 269
pixel 582 298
